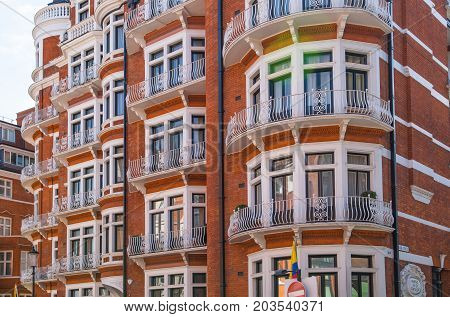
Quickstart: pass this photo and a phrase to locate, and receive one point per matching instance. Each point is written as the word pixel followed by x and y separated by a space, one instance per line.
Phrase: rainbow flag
pixel 294 262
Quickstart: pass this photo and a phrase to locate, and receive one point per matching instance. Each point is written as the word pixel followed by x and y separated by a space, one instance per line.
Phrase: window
pixel 198 42
pixel 112 232
pixel 54 250
pixel 199 285
pixel 436 280
pixel 24 266
pixel 17 159
pixel 358 180
pixel 362 282
pixel 256 184
pixel 283 263
pixel 114 165
pixel 103 292
pixel 175 47
pixel 8 135
pixel 81 241
pixel 74 293
pixel 82 68
pixel 83 10
pixel 176 285
pixel 82 187
pixel 358 159
pixel 317 58
pixel 5 227
pixel 113 33
pixel 257 278
pixel 281 164
pixel 5 188
pixel 320 159
pixel 280 66
pixel 157 286
pixel 327 280
pixel 355 58
pixel 6 263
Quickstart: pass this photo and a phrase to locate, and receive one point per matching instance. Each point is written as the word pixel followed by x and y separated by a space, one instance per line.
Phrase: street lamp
pixel 32 260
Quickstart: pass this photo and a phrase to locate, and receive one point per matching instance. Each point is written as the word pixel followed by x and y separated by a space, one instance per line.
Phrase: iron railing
pixel 76 201
pixel 78 263
pixel 39 116
pixel 38 169
pixel 77 79
pixel 39 222
pixel 75 141
pixel 311 210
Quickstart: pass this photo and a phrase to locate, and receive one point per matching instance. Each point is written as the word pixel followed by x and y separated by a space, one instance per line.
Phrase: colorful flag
pixel 294 262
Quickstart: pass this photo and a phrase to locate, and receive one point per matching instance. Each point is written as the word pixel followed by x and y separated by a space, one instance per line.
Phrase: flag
pixel 16 291
pixel 294 262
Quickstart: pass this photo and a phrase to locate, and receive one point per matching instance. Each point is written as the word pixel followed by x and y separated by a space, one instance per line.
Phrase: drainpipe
pixel 221 148
pixel 393 145
pixel 125 162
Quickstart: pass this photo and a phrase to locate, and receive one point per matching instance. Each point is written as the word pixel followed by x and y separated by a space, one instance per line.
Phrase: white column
pixel 299 178
pixel 295 78
pixel 339 76
pixel 340 180
pixel 265 189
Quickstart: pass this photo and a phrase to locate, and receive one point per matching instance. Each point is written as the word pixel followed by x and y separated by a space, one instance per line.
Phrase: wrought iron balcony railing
pixel 75 141
pixel 166 81
pixel 165 161
pixel 265 11
pixel 150 10
pixel 311 210
pixel 75 202
pixel 39 222
pixel 78 263
pixel 80 29
pixel 38 169
pixel 46 273
pixel 39 116
pixel 311 104
pixel 164 242
pixel 77 79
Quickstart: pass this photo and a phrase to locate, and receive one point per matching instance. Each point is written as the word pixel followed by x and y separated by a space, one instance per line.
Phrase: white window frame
pixel 5 262
pixel 94 235
pixel 110 24
pixel 79 10
pixel 109 91
pixel 110 148
pixel 7 188
pixel 5 226
pixel 188 281
pixel 111 232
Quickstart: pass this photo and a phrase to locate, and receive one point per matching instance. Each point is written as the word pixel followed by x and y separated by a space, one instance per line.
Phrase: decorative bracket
pixel 184 257
pixel 139 262
pixel 259 239
pixel 293 27
pixel 183 98
pixel 298 235
pixel 341 24
pixel 259 143
pixel 348 233
pixel 140 113
pixel 295 132
pixel 183 176
pixel 343 129
pixel 255 45
pixel 183 18
pixel 139 41
pixel 93 152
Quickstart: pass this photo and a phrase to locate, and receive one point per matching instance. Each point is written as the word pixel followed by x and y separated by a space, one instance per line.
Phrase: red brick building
pixel 234 151
pixel 16 205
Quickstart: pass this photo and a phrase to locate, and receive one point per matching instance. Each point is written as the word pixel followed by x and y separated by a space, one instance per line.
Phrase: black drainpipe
pixel 221 149
pixel 125 160
pixel 393 145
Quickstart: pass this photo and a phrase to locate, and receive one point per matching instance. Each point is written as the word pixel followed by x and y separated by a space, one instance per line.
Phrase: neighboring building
pixel 306 147
pixel 15 205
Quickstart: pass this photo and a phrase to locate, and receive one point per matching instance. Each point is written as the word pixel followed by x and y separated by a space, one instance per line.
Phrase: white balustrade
pixel 165 81
pixel 77 79
pixel 54 11
pixel 265 11
pixel 76 201
pixel 311 210
pixel 39 116
pixel 163 242
pixel 79 29
pixel 148 11
pixel 172 159
pixel 78 263
pixel 75 141
pixel 314 103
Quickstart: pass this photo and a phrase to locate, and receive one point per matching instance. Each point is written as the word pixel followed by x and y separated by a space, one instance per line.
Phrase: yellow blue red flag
pixel 294 262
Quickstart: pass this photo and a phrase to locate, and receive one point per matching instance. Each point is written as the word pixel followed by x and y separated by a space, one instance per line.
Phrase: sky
pixel 17 51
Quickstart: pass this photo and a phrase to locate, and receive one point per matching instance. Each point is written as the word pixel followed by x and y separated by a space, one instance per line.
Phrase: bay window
pixel 362 281
pixel 112 232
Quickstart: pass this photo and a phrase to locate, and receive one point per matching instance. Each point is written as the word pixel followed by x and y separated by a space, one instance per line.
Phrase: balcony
pixel 104 7
pixel 320 108
pixel 270 17
pixel 187 159
pixel 175 241
pixel 80 29
pixel 38 120
pixel 312 213
pixel 38 224
pixel 76 204
pixel 52 12
pixel 38 172
pixel 155 14
pixel 43 274
pixel 77 143
pixel 187 80
pixel 75 86
pixel 78 264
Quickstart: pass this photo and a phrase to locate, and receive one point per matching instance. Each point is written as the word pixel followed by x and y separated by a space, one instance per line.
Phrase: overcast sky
pixel 16 54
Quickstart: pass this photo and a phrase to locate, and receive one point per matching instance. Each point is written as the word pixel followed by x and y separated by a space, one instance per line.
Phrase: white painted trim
pixel 414 258
pixel 418 41
pixel 436 14
pixel 423 131
pixel 15 200
pixel 418 167
pixel 423 221
pixel 409 72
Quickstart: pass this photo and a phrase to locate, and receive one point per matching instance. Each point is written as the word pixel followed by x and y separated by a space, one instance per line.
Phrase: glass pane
pixel 157 280
pixel 363 182
pixel 358 159
pixel 281 164
pixel 199 278
pixel 356 58
pixel 352 183
pixel 312 184
pixel 156 293
pixel 365 285
pixel 176 292
pixel 326 261
pixel 355 286
pixel 176 279
pixel 316 58
pixel 199 292
pixel 329 285
pixel 361 261
pixel 279 66
pixel 327 184
pixel 178 200
pixel 320 159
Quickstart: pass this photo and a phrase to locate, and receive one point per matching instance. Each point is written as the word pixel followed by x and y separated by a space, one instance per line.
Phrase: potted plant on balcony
pixel 369 194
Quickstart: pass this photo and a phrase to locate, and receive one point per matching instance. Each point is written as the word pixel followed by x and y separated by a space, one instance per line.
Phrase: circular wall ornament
pixel 412 281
